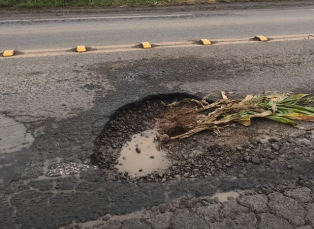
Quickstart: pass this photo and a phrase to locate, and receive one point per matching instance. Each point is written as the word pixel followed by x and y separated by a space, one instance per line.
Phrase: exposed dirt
pixel 177 120
pixel 201 155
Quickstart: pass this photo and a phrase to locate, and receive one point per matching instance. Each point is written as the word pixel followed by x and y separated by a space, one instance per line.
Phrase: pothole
pixel 126 150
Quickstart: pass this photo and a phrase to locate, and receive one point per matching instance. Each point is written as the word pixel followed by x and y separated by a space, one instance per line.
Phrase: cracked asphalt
pixel 59 105
pixel 279 209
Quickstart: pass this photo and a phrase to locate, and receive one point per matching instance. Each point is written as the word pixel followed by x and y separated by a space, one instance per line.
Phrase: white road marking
pixel 95 18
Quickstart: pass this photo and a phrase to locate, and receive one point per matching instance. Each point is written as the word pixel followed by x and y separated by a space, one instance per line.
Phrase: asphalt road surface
pixel 115 29
pixel 52 108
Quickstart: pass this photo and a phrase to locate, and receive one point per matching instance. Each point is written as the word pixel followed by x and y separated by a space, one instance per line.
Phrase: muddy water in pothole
pixel 223 196
pixel 141 155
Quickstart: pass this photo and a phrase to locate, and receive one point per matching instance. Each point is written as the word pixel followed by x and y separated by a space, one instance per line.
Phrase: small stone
pixel 211 201
pixel 256 160
pixel 163 208
pixel 105 218
pixel 216 200
pixel 140 170
pixel 172 208
pixel 152 157
pixel 247 159
pixel 275 146
pixel 204 202
pixel 228 164
pixel 186 175
pixel 155 208
pixel 289 166
pixel 137 150
pixel 187 204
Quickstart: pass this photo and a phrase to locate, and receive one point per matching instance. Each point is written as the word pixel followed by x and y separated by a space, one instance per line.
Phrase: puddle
pixel 223 196
pixel 140 156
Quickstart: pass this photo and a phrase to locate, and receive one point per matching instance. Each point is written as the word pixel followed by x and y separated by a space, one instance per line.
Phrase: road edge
pixel 8 12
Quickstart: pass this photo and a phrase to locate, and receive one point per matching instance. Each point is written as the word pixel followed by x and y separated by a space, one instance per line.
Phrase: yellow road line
pixel 162 45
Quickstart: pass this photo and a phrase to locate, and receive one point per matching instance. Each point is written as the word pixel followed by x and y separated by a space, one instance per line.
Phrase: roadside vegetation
pixel 103 3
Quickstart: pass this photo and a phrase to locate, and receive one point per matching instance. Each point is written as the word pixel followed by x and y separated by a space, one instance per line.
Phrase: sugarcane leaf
pixel 293 98
pixel 282 120
pixel 246 99
pixel 245 120
pixel 298 116
pixel 223 95
pixel 274 107
pixel 261 115
pixel 301 108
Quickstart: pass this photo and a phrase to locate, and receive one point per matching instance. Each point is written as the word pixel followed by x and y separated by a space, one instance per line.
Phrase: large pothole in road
pixel 127 149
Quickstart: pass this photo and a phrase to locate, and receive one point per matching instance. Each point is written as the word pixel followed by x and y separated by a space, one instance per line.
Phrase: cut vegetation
pixel 198 115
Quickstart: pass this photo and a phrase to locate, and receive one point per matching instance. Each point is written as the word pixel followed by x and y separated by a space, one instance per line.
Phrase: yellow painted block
pixel 205 42
pixel 146 45
pixel 81 48
pixel 7 53
pixel 261 38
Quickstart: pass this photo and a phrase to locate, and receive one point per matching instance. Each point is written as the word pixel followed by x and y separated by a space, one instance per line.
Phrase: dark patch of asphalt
pixel 32 202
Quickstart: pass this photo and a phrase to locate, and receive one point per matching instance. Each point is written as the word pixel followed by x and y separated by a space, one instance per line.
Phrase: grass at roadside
pixel 95 3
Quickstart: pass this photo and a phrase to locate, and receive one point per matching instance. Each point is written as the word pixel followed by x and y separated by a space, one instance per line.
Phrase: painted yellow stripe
pixel 163 45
